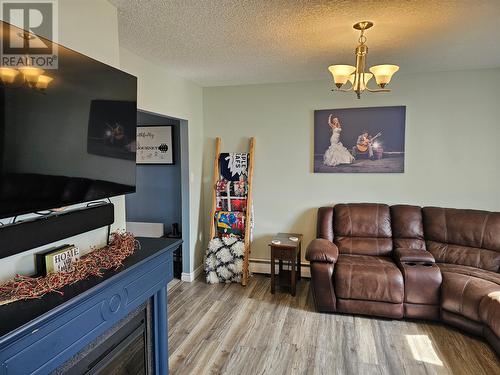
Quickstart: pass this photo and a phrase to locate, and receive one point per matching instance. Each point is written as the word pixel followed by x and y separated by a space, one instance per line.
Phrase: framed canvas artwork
pixel 154 145
pixel 360 140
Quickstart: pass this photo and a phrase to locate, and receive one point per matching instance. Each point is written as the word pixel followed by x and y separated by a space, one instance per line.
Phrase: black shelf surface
pixel 16 314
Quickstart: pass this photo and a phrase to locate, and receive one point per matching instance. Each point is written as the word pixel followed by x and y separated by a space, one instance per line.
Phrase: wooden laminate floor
pixel 230 329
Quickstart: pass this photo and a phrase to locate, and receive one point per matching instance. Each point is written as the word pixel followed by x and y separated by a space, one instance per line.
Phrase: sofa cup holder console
pixel 414 264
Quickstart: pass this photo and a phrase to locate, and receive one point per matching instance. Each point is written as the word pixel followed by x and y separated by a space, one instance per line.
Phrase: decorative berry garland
pixel 122 245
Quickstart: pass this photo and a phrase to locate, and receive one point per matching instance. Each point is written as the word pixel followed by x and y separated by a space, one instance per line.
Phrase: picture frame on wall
pixel 154 145
pixel 360 140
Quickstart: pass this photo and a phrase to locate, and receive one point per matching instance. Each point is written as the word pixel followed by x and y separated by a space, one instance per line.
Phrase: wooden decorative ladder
pixel 248 216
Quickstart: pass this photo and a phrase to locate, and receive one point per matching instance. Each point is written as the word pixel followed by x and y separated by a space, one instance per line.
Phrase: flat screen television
pixel 71 142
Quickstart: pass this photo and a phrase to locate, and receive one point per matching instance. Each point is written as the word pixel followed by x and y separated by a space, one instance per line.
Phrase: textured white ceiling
pixel 229 42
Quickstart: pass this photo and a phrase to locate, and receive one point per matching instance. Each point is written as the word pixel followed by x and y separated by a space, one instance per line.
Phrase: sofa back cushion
pixel 362 229
pixel 465 237
pixel 407 227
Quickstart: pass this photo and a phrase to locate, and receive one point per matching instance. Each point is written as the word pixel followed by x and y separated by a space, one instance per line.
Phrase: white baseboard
pixel 191 276
pixel 264 266
pixel 256 266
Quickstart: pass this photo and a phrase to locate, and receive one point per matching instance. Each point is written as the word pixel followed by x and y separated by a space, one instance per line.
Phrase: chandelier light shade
pixel 357 75
pixel 341 74
pixel 363 79
pixel 8 75
pixel 31 77
pixel 31 74
pixel 43 82
pixel 383 73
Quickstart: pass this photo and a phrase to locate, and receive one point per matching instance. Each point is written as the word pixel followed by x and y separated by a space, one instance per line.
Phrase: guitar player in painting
pixel 365 144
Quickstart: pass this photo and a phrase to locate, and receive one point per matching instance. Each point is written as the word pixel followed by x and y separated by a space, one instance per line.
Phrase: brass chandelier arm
pixel 376 90
pixel 343 90
pixel 351 88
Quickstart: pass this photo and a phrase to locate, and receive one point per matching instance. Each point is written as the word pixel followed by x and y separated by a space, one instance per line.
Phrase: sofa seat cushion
pixel 470 271
pixel 489 311
pixel 461 294
pixel 368 278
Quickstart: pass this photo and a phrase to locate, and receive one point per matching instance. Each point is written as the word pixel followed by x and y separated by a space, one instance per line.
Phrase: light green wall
pixel 90 27
pixel 452 151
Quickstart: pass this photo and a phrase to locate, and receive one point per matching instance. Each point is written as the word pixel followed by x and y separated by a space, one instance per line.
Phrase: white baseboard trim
pixel 191 276
pixel 256 266
pixel 264 266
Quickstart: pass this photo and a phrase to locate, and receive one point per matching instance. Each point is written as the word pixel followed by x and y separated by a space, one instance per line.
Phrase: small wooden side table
pixel 286 250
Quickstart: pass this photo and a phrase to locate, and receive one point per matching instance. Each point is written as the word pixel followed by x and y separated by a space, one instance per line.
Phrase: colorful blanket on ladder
pixel 225 253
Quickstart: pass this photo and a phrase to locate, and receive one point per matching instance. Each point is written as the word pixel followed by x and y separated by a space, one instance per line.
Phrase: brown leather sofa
pixel 407 261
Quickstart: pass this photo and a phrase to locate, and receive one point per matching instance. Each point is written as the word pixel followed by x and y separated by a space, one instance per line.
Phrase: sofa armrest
pixel 322 251
pixel 413 255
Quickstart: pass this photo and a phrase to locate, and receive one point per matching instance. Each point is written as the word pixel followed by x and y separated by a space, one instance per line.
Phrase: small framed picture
pixel 154 145
pixel 60 259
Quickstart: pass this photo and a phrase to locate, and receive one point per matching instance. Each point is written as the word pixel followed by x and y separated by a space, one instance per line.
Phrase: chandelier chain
pixel 362 37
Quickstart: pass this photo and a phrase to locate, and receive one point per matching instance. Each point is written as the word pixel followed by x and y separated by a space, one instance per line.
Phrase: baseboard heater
pixel 28 234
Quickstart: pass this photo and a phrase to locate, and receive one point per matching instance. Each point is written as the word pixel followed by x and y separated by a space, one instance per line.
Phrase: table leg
pixel 299 259
pixel 294 278
pixel 272 271
pixel 280 267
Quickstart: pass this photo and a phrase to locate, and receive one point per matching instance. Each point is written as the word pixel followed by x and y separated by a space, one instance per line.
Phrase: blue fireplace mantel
pixel 38 336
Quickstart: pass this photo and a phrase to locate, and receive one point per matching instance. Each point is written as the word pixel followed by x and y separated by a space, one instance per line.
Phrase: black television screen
pixel 71 142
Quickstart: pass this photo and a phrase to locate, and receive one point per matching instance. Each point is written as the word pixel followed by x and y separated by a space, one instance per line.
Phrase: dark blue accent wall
pixel 158 187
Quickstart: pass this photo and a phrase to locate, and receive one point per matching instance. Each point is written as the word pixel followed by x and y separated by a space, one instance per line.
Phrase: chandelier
pixel 356 75
pixel 31 76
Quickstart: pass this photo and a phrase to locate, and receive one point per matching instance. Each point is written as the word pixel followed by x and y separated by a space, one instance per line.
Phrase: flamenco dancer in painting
pixel 336 153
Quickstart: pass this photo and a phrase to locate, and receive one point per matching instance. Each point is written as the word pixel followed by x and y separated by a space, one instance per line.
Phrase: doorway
pixel 161 201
